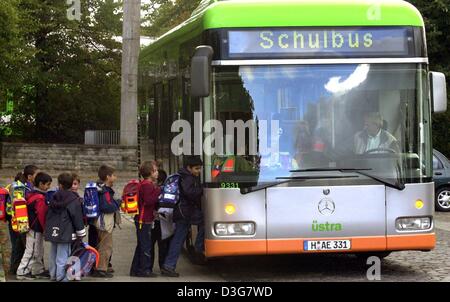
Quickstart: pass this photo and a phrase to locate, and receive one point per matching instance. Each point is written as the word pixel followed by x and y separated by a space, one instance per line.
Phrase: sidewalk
pixel 124 240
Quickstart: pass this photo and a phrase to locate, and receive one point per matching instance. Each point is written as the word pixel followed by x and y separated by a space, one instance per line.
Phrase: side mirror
pixel 438 92
pixel 201 71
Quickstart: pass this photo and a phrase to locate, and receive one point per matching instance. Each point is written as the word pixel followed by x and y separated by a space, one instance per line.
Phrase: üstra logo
pixel 326 227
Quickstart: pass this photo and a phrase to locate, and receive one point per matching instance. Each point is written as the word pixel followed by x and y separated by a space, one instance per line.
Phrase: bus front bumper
pixel 239 247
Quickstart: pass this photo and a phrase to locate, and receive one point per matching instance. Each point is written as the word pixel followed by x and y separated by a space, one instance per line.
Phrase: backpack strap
pixel 141 212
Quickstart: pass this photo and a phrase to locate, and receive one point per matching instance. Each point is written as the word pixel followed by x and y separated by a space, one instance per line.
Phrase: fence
pixel 102 137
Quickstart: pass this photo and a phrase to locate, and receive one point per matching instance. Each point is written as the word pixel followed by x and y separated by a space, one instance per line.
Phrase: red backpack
pixel 4 195
pixel 130 197
pixel 32 199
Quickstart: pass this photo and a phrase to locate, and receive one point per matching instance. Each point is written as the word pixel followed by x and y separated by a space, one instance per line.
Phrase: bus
pixel 313 119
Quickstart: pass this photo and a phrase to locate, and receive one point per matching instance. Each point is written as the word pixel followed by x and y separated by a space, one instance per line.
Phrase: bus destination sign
pixel 290 43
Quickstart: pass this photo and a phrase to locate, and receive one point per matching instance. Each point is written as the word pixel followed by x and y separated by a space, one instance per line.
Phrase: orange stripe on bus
pixel 217 248
pixel 287 246
pixel 416 242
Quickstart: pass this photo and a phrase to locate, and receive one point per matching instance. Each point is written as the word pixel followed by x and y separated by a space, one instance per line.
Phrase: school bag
pixel 91 201
pixel 49 195
pixel 19 221
pixel 4 199
pixel 17 190
pixel 30 201
pixel 130 197
pixel 83 258
pixel 170 192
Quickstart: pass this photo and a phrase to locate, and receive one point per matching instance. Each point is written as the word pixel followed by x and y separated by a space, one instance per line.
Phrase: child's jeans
pixel 176 244
pixel 59 255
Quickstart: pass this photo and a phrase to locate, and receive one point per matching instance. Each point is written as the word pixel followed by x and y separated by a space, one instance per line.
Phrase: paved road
pixel 399 266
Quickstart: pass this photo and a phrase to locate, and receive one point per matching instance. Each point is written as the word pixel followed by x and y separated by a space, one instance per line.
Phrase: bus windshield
pixel 297 117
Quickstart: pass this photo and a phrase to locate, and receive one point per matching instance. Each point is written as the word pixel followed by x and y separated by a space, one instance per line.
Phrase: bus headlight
pixel 413 223
pixel 234 228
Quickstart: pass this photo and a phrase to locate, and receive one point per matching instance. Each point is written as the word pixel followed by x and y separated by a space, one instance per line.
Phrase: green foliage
pixel 437 22
pixel 70 76
pixel 163 15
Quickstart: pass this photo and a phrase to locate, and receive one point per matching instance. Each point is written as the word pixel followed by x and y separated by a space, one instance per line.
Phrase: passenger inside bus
pixel 232 163
pixel 374 139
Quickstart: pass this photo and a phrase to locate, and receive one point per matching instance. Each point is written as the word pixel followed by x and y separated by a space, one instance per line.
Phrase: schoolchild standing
pixel 149 191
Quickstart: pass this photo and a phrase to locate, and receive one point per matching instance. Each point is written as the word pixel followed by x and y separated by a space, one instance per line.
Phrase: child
pixel 105 224
pixel 32 264
pixel 18 241
pixel 157 236
pixel 76 183
pixel 63 226
pixel 148 198
pixel 186 214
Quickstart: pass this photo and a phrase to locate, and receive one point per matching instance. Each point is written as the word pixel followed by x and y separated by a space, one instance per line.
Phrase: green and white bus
pixel 340 98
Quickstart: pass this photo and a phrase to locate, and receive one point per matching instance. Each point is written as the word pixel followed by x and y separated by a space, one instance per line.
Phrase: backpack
pixel 49 195
pixel 130 197
pixel 170 192
pixel 91 202
pixel 17 190
pixel 4 199
pixel 83 258
pixel 30 201
pixel 19 221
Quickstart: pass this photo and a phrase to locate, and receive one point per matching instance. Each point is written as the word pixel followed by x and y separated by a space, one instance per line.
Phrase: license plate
pixel 326 245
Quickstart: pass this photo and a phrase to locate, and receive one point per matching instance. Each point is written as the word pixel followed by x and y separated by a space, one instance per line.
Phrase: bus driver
pixel 373 137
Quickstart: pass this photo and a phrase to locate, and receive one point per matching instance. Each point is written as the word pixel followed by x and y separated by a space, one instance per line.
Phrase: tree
pixel 163 15
pixel 436 14
pixel 72 78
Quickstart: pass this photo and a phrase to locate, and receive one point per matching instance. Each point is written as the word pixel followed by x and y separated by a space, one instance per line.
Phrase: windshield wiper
pixel 330 170
pixel 263 187
pixel 288 179
pixel 396 185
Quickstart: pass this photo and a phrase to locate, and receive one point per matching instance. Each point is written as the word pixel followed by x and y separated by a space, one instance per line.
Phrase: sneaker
pixel 43 275
pixel 28 276
pixel 101 274
pixel 146 275
pixel 169 272
pixel 110 268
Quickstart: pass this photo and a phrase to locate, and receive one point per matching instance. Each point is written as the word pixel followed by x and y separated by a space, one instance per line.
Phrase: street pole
pixel 130 57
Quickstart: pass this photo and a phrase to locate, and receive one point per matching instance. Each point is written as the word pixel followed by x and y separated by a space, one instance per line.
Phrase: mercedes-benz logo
pixel 326 207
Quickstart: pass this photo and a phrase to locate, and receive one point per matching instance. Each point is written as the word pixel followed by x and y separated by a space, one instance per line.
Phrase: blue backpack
pixel 170 192
pixel 91 201
pixel 50 194
pixel 82 260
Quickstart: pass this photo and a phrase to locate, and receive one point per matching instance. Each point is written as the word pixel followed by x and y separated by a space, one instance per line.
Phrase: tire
pixel 442 202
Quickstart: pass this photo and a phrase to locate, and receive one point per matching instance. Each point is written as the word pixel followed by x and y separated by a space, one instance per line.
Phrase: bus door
pixel 299 217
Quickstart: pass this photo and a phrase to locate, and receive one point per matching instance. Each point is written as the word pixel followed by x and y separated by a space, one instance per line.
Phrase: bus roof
pixel 214 14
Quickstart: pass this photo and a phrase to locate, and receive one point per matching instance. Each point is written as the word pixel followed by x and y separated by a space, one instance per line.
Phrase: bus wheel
pixel 364 256
pixel 443 200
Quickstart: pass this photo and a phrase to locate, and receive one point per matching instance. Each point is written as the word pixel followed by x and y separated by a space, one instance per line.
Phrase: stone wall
pixel 68 157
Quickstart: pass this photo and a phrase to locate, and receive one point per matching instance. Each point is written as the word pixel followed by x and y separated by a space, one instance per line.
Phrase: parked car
pixel 441 171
